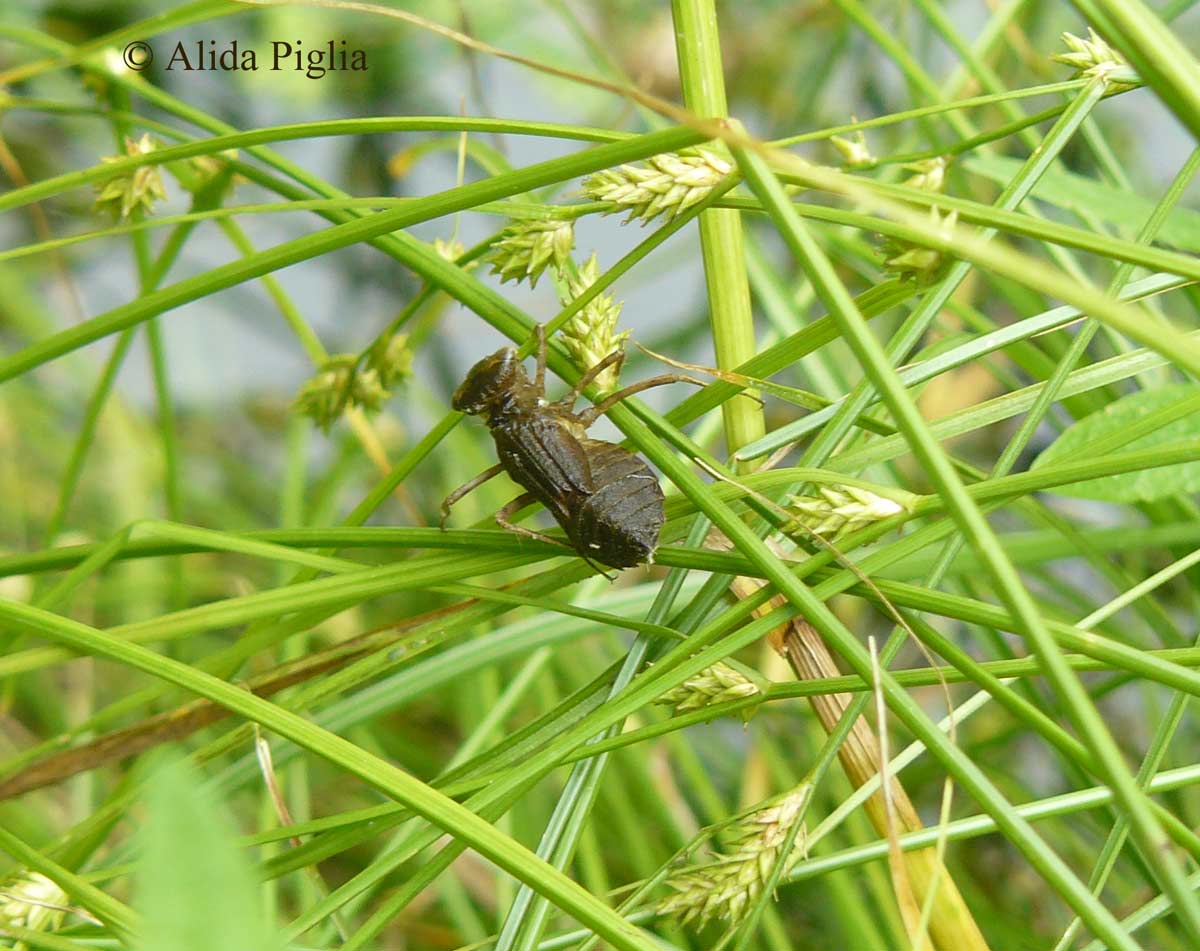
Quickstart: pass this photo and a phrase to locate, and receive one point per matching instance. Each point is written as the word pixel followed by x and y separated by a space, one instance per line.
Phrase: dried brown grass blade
pixel 185 720
pixel 951 926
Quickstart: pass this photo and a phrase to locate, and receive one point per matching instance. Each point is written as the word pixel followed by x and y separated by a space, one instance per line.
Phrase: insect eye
pixel 507 366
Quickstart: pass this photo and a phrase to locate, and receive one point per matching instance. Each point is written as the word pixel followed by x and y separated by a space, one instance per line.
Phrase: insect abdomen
pixel 619 522
pixel 545 458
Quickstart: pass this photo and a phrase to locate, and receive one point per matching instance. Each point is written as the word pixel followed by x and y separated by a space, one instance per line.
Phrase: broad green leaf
pixel 195 889
pixel 1148 484
pixel 1073 192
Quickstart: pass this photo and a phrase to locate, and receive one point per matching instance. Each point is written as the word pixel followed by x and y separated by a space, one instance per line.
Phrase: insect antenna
pixel 599 568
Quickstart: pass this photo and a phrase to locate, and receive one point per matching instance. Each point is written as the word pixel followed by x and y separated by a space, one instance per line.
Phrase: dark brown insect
pixel 606 499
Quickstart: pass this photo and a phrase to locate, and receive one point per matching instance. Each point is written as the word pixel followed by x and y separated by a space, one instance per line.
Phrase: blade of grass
pixel 393 782
pixel 979 533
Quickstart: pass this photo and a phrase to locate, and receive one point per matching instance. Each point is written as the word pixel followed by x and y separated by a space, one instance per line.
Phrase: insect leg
pixel 502 519
pixel 614 359
pixel 468 487
pixel 513 507
pixel 589 416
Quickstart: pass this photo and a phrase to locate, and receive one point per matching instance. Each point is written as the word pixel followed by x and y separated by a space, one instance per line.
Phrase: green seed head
pixel 337 386
pixel 839 510
pixel 727 886
pixel 591 335
pixel 666 185
pixel 528 247
pixel 138 188
pixel 31 901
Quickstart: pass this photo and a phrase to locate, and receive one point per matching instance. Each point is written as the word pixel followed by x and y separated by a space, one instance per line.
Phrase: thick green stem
pixel 698 48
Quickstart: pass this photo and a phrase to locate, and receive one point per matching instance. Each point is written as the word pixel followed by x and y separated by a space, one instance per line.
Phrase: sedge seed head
pixel 854 151
pixel 915 262
pixel 137 188
pixel 338 386
pixel 839 510
pixel 666 185
pixel 527 248
pixel 591 335
pixel 930 174
pixel 451 250
pixel 1093 57
pixel 31 900
pixel 727 886
pixel 391 360
pixel 716 684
